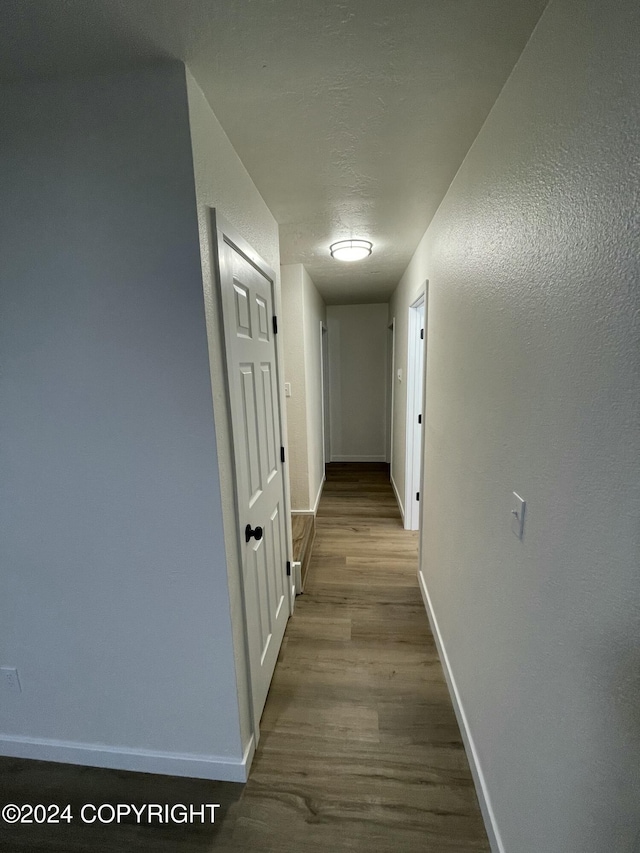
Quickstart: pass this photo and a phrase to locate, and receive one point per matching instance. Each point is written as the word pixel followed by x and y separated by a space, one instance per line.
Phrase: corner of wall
pixel 222 183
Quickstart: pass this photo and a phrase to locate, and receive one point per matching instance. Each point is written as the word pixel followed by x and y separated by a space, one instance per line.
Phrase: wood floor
pixel 359 751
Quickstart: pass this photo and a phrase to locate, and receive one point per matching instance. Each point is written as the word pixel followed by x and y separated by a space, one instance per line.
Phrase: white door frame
pixel 414 431
pixel 391 372
pixel 222 232
pixel 326 403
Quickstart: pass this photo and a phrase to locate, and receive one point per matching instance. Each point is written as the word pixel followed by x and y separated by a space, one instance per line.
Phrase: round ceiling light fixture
pixel 351 250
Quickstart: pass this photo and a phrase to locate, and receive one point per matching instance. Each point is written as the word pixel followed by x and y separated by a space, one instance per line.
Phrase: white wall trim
pixel 314 509
pixel 247 758
pixel 484 799
pixel 197 766
pixel 318 496
pixel 397 494
pixel 388 394
pixel 340 458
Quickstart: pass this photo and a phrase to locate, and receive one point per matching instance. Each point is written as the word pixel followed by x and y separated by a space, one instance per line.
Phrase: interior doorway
pixel 247 299
pixel 415 414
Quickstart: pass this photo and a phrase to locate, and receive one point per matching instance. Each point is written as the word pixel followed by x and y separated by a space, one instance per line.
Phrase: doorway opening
pixel 247 299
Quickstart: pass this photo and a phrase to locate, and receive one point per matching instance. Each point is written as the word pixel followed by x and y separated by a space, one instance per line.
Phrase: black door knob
pixel 249 531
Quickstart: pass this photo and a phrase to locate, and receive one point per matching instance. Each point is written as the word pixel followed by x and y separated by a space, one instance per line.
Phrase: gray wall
pixel 114 603
pixel 357 338
pixel 533 386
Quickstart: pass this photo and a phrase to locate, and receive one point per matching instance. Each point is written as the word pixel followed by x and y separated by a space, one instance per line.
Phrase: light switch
pixel 287 389
pixel 517 514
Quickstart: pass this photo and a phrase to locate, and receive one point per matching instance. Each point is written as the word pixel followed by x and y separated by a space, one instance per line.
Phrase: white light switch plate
pixel 518 506
pixel 287 389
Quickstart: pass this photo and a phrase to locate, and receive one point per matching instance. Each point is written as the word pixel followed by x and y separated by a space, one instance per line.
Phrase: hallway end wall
pixel 357 343
pixel 533 386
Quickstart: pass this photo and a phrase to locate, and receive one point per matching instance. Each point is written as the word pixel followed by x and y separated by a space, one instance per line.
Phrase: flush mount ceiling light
pixel 350 250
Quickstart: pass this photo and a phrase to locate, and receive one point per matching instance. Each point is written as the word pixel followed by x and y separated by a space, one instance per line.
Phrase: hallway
pixel 482 156
pixel 360 749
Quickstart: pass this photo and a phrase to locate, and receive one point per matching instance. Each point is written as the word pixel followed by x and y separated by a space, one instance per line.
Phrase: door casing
pixel 415 407
pixel 221 233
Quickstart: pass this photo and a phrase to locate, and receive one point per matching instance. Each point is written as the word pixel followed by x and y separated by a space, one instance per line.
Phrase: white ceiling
pixel 352 116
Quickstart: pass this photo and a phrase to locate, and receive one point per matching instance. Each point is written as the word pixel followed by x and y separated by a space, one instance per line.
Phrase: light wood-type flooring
pixel 359 748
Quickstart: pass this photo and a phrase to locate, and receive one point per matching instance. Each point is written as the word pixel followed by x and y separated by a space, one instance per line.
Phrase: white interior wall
pixel 114 604
pixel 303 310
pixel 223 183
pixel 357 381
pixel 532 385
pixel 295 375
pixel 315 313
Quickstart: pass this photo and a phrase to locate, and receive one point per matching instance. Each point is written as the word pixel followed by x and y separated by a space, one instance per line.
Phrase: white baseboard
pixel 397 494
pixel 318 496
pixel 484 800
pixel 314 509
pixel 196 766
pixel 381 458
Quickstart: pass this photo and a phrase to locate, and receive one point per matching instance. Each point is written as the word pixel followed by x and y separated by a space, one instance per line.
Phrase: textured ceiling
pixel 352 117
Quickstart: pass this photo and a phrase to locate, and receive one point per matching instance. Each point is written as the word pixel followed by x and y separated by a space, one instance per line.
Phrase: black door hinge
pixel 282 455
pixel 288 568
pixel 421 334
pixel 419 419
pixel 275 325
pixel 417 496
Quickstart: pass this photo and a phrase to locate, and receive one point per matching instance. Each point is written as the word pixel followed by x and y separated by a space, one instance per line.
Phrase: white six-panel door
pixel 247 302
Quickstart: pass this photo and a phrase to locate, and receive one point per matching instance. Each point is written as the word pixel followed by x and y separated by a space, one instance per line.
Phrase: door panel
pixel 243 315
pixel 247 302
pixel 271 427
pixel 276 586
pixel 249 433
pixel 263 319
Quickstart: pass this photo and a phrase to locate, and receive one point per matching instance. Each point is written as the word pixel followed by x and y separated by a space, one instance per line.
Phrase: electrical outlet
pixel 9 679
